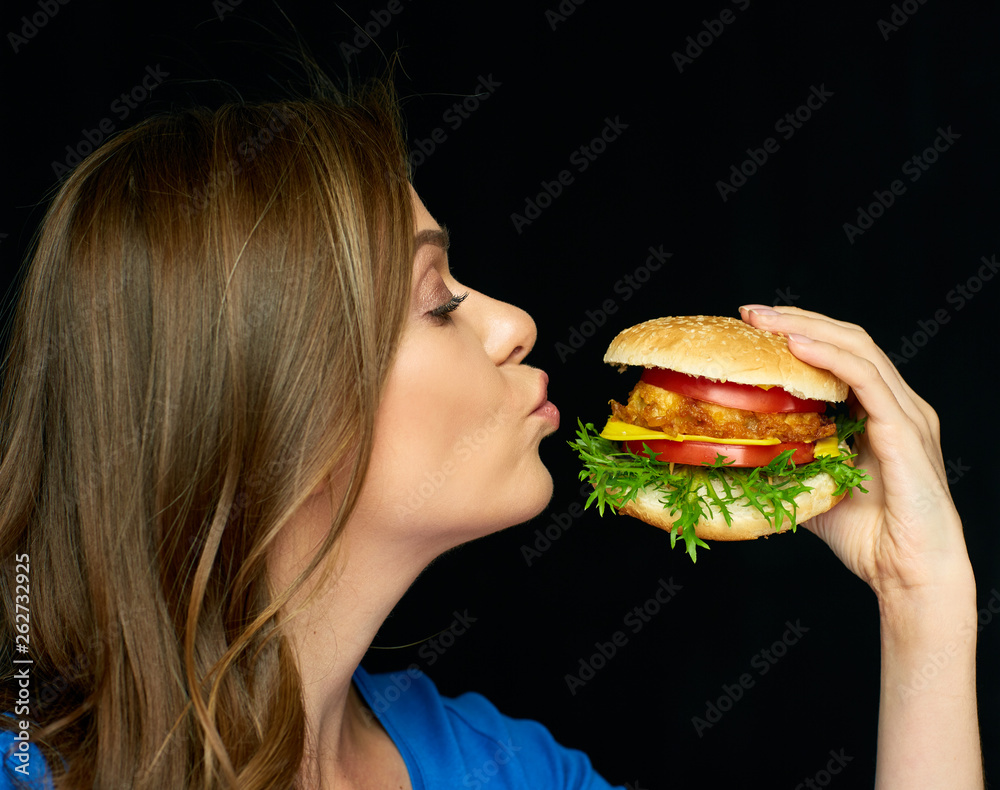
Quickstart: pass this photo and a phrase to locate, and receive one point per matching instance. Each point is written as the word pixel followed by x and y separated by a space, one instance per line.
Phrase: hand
pixel 903 536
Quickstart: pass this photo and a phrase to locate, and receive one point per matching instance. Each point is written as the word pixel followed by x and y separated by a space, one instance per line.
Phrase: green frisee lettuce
pixel 694 492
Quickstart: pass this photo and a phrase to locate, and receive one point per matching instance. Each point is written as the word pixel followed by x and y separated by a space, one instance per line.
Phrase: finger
pixel 856 339
pixel 897 435
pixel 793 320
pixel 851 337
pixel 762 309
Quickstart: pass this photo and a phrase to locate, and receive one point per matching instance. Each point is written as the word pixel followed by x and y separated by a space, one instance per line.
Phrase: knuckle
pixel 869 369
pixel 933 421
pixel 862 334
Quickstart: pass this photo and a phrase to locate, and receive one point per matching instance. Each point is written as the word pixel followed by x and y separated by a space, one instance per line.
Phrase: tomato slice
pixel 726 393
pixel 706 452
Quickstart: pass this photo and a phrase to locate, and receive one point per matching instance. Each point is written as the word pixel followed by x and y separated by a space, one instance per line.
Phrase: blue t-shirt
pixel 463 742
pixel 466 742
pixel 22 760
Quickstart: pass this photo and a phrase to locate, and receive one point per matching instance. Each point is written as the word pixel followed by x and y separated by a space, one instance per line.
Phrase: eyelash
pixel 441 311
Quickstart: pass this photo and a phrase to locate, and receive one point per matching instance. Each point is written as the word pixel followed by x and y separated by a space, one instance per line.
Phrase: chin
pixel 532 502
pixel 523 501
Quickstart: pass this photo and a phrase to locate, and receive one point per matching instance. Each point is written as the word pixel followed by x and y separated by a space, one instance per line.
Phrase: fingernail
pixel 759 309
pixel 800 338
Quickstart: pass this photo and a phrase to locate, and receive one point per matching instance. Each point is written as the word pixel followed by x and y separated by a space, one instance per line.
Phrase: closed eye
pixel 441 311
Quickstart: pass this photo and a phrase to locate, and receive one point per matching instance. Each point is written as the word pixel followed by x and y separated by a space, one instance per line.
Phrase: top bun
pixel 723 349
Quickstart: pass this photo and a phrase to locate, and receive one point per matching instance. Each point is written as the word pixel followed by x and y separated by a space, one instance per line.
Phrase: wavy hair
pixel 202 337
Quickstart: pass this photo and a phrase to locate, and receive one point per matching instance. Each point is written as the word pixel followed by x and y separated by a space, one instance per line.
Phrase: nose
pixel 509 333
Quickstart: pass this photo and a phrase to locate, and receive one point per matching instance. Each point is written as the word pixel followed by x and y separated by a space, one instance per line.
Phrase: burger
pixel 726 436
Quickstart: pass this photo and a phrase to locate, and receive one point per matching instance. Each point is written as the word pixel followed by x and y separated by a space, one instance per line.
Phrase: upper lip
pixel 544 387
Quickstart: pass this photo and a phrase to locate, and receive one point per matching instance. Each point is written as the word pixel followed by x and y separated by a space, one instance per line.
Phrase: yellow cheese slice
pixel 827 446
pixel 619 431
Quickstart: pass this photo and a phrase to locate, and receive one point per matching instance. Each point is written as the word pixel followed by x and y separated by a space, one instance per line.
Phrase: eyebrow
pixel 438 238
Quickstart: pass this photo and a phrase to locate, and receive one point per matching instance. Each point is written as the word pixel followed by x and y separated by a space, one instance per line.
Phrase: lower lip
pixel 549 412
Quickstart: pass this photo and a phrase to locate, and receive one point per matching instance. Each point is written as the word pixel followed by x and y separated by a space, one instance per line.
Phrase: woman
pixel 237 334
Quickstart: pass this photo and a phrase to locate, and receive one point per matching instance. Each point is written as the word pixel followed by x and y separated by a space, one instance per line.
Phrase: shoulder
pixel 22 763
pixel 466 742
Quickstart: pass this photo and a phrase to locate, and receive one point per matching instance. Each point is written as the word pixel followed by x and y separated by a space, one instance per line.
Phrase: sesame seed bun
pixel 723 349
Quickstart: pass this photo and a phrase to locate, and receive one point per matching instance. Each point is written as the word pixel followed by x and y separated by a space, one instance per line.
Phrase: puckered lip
pixel 544 408
pixel 543 391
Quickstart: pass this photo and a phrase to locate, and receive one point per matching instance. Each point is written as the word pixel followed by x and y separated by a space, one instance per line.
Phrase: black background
pixel 556 83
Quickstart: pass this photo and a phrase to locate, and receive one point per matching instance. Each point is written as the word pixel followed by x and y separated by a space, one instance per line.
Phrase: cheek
pixel 450 437
pixel 438 397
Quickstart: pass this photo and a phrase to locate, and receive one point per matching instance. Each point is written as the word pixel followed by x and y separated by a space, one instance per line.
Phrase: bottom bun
pixel 747 522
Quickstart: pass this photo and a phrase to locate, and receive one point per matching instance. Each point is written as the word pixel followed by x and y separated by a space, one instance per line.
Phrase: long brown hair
pixel 202 337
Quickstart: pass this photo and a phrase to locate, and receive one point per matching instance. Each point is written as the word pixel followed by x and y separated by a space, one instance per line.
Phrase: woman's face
pixel 457 433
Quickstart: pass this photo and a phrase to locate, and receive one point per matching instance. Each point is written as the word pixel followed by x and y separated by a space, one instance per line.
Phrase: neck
pixel 332 632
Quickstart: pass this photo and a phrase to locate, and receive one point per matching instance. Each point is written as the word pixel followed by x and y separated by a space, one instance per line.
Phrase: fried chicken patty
pixel 652 407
